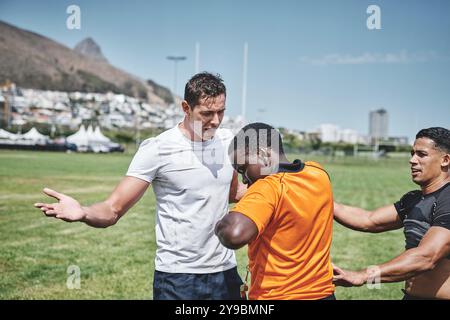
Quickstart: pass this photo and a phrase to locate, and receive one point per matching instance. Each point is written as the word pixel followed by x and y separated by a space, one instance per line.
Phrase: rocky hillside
pixel 90 48
pixel 34 61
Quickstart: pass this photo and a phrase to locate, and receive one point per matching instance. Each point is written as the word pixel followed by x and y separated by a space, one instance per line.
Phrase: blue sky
pixel 309 62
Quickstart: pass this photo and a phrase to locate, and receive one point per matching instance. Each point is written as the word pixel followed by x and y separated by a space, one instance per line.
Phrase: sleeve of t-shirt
pixel 407 202
pixel 259 203
pixel 145 162
pixel 442 210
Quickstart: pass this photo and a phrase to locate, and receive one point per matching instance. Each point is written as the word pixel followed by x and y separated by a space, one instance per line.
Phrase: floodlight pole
pixel 175 59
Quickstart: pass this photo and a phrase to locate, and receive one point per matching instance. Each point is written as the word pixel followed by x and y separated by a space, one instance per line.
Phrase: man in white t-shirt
pixel 193 182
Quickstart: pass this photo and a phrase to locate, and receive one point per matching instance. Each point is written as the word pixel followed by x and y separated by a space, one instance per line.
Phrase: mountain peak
pixel 90 48
pixel 34 61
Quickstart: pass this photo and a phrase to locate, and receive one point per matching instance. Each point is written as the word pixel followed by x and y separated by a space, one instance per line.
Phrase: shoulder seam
pixel 321 169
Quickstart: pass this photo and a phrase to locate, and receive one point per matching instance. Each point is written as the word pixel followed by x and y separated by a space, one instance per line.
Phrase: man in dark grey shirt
pixel 419 212
pixel 425 216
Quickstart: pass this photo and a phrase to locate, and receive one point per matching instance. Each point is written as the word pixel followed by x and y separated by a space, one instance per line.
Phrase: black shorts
pixel 223 285
pixel 330 297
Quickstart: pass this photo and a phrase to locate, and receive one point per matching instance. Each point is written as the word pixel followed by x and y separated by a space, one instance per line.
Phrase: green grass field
pixel 118 262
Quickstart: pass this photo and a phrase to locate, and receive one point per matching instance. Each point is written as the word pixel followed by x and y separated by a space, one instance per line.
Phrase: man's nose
pixel 215 120
pixel 413 159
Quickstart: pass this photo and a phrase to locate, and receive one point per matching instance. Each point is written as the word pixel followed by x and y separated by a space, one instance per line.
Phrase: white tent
pixel 79 138
pixel 100 137
pixel 90 133
pixel 35 136
pixel 91 139
pixel 97 143
pixel 8 135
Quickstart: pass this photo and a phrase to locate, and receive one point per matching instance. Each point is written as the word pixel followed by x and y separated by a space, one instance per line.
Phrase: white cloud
pixel 402 57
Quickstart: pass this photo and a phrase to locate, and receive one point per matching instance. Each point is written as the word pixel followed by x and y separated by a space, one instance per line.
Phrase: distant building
pixel 7 91
pixel 378 124
pixel 329 133
pixel 399 140
pixel 349 136
pixel 334 134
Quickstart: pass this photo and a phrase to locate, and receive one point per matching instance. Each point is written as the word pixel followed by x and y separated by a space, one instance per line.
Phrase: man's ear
pixel 445 160
pixel 186 108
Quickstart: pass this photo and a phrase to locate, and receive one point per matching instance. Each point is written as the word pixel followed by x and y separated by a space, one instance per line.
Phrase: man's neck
pixel 187 131
pixel 436 184
pixel 281 159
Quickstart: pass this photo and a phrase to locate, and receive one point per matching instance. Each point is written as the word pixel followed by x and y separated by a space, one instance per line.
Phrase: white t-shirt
pixel 191 181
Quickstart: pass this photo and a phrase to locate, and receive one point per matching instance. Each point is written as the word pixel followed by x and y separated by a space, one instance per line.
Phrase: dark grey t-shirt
pixel 421 212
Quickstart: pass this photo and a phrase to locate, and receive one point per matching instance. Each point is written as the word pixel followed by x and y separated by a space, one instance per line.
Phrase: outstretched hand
pixel 346 278
pixel 67 208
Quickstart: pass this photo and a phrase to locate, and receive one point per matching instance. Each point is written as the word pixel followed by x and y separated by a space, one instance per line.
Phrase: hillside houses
pixel 110 110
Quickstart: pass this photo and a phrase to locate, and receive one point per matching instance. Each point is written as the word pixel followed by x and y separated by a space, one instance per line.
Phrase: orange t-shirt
pixel 290 258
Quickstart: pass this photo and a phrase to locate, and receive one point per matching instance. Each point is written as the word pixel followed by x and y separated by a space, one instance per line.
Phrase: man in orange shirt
pixel 286 217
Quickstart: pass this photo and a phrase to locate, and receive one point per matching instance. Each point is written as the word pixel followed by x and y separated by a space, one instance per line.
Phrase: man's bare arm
pixel 235 230
pixel 435 246
pixel 380 220
pixel 99 215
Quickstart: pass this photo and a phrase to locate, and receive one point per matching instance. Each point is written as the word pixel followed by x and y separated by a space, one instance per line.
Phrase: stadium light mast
pixel 244 81
pixel 175 59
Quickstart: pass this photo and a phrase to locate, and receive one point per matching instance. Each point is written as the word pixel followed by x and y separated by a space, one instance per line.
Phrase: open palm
pixel 346 278
pixel 67 208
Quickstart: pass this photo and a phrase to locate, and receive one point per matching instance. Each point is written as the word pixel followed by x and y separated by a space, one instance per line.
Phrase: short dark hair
pixel 256 135
pixel 203 85
pixel 440 137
